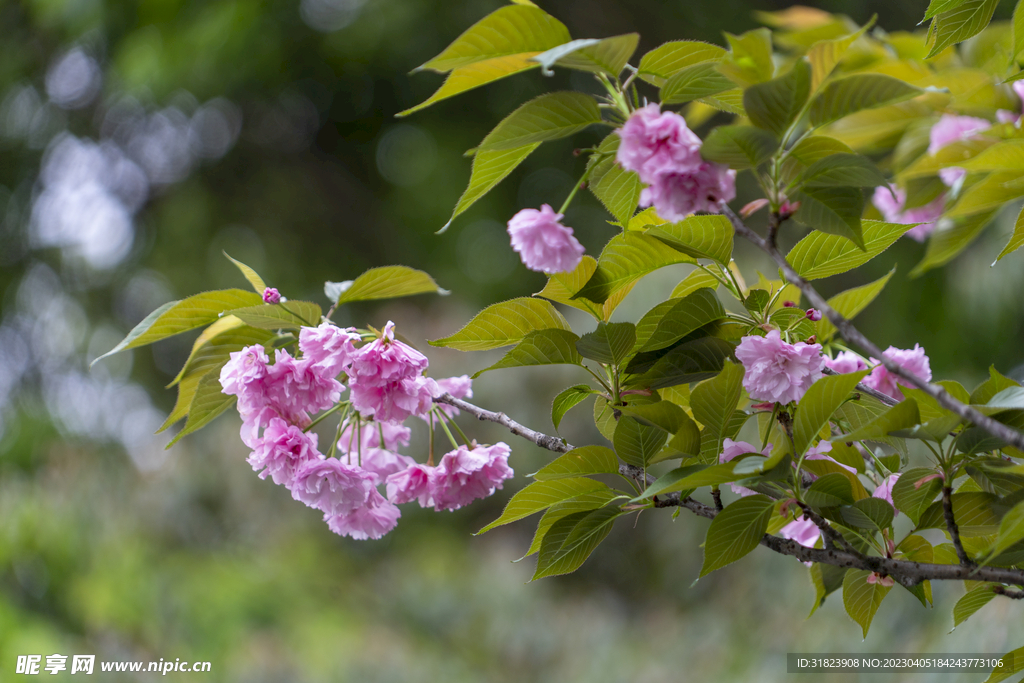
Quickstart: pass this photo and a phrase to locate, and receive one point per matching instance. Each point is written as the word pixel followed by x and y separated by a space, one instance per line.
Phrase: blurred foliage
pixel 137 553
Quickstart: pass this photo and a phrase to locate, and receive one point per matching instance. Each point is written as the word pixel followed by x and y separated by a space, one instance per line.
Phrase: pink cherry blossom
pixel 386 360
pixel 777 371
pixel 653 143
pixel 459 387
pixel 913 360
pixel 813 314
pixel 465 474
pixel 846 362
pixel 386 379
pixel 951 128
pixel 296 388
pixel 893 212
pixel 271 295
pixel 412 483
pixel 283 449
pixel 244 376
pixel 884 490
pixel 677 194
pixel 328 346
pixel 380 462
pixel 395 401
pixel 372 520
pixel 818 452
pixel 803 531
pixel 332 486
pixel 734 449
pixel 395 436
pixel 543 243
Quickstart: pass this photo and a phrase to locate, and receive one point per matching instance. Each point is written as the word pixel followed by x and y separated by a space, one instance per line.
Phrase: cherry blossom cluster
pixel 386 386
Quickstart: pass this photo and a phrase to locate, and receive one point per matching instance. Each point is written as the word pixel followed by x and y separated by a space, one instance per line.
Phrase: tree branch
pixel 852 334
pixel 1008 592
pixel 906 572
pixel 864 389
pixel 954 530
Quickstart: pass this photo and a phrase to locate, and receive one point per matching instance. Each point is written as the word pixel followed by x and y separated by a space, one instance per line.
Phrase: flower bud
pixel 753 207
pixel 789 304
pixel 271 296
pixel 813 314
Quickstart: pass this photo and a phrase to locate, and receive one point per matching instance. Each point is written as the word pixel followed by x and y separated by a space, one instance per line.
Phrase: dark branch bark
pixel 852 334
pixel 906 572
pixel 951 526
pixel 1008 592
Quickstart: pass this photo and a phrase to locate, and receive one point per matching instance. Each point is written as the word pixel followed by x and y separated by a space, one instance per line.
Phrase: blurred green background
pixel 140 139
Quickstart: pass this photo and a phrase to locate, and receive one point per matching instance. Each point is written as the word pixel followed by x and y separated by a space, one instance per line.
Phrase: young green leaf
pixel 387 282
pixel 849 304
pixel 842 170
pixel 615 187
pixel 873 514
pixel 694 82
pixel 939 6
pixel 1011 531
pixel 736 531
pixel 819 255
pixel 826 54
pixel 861 598
pixel 503 324
pixel 608 56
pixel 580 462
pixel 692 361
pixel 698 236
pixel 696 280
pixel 625 259
pixel 991 193
pixel 543 494
pixel 960 23
pixel 548 117
pixel 635 442
pixel 475 75
pixel 540 347
pixel 568 399
pixel 571 540
pixel 251 275
pixel 207 403
pixel 285 315
pixel 775 104
pixel 830 490
pixel 610 343
pixel 489 169
pixel 972 601
pixel 949 240
pixel 715 401
pixel 903 415
pixel 851 94
pixel 1010 663
pixel 663 62
pixel 1016 239
pixel 817 405
pixel 739 147
pixel 684 317
pixel 974 511
pixel 750 58
pixel 990 387
pixel 835 210
pixel 826 579
pixel 585 501
pixel 1007 155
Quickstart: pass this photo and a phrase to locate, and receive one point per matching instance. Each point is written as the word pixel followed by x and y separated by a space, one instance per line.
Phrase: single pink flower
pixel 913 360
pixel 296 388
pixel 283 449
pixel 884 490
pixel 951 128
pixel 332 486
pixel 846 362
pixel 465 474
pixel 543 243
pixel 813 314
pixel 395 401
pixel 271 296
pixel 653 143
pixel 385 360
pixel 677 194
pixel 413 483
pixel 380 462
pixel 803 531
pixel 777 371
pixel 818 451
pixel 372 520
pixel 893 212
pixel 734 449
pixel 328 347
pixel 244 376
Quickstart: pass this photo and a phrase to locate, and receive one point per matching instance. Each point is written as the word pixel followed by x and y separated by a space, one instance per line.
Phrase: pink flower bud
pixel 875 577
pixel 813 314
pixel 271 295
pixel 789 304
pixel 924 480
pixel 753 207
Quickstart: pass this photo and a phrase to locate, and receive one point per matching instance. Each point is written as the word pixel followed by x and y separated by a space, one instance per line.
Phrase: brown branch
pixel 864 389
pixel 951 526
pixel 906 572
pixel 832 537
pixel 1008 592
pixel 852 334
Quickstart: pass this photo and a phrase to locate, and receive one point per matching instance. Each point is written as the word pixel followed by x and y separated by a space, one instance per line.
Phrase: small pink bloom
pixel 1006 116
pixel 846 362
pixel 332 486
pixel 386 360
pixel 654 143
pixel 818 451
pixel 789 304
pixel 777 371
pixel 734 449
pixel 678 194
pixel 913 360
pixel 328 347
pixel 813 314
pixel 753 207
pixel 244 376
pixel 803 531
pixel 467 474
pixel 372 520
pixel 884 490
pixel 271 296
pixel 543 243
pixel 893 212
pixel 412 483
pixel 952 128
pixel 283 449
pixel 296 388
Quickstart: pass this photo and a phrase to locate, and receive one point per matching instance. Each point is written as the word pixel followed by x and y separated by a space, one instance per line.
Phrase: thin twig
pixel 852 334
pixel 906 572
pixel 951 526
pixel 832 536
pixel 1008 592
pixel 864 389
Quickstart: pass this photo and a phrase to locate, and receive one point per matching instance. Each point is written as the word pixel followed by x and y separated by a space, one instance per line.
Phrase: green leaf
pixel 1011 663
pixel 567 400
pixel 819 255
pixel 715 402
pixel 636 443
pixel 251 275
pixel 974 511
pixel 1011 531
pixel 571 540
pixel 939 6
pixel 387 282
pixel 540 347
pixel 826 580
pixel 176 317
pixel 504 323
pixel 663 62
pixel 826 54
pixel 872 513
pixel 700 237
pixel 489 169
pixel 691 361
pixel 682 318
pixel 849 304
pixel 548 117
pixel 694 82
pixel 860 413
pixel 750 59
pixel 615 187
pixel 610 343
pixel 542 494
pixel 903 415
pixel 949 239
pixel 739 147
pixel 835 210
pixel 842 170
pixel 1018 30
pixel 475 75
pixel 285 315
pixel 829 491
pixel 990 387
pixel 1016 239
pixel 688 478
pixel 608 56
pixel 579 462
pixel 817 405
pixel 971 602
pixel 851 94
pixel 585 501
pixel 1007 155
pixel 736 531
pixel 991 193
pixel 775 104
pixel 664 415
pixel 696 280
pixel 562 287
pixel 861 598
pixel 960 23
pixel 207 403
pixel 625 259
pixel 817 147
